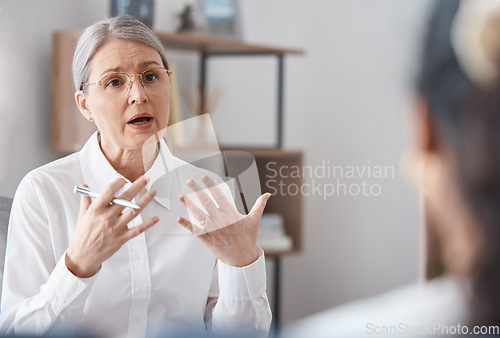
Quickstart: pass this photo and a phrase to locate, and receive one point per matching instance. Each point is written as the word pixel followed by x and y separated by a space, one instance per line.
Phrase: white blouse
pixel 163 279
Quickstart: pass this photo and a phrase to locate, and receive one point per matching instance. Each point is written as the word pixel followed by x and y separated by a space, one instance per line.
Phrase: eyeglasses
pixel 152 79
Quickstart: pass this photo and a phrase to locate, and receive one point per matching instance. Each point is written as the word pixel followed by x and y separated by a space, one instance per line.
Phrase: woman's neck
pixel 130 163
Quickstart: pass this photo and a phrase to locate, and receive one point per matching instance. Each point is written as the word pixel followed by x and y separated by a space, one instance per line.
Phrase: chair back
pixel 5 205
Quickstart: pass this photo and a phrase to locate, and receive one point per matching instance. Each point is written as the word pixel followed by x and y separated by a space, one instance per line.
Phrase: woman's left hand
pixel 231 236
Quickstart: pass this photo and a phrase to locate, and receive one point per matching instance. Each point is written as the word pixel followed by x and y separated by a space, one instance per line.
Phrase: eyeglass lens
pixel 151 79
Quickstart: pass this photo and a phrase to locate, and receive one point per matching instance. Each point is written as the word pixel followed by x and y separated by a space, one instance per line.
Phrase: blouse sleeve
pixel 238 300
pixel 241 304
pixel 39 293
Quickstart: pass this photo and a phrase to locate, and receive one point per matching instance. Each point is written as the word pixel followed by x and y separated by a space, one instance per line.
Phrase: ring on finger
pixel 204 223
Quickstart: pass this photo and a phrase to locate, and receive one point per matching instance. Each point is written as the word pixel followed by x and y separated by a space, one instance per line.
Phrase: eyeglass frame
pixel 98 83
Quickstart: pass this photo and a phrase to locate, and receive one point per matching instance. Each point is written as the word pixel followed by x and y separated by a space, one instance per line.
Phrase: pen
pixel 119 201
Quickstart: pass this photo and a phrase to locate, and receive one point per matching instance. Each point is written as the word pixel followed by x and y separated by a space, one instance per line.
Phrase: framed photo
pixel 221 18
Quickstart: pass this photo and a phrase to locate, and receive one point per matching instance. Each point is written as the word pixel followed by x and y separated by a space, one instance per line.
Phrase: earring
pixel 91 119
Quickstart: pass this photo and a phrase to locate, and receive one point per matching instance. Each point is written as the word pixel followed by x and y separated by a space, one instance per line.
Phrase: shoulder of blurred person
pixel 413 311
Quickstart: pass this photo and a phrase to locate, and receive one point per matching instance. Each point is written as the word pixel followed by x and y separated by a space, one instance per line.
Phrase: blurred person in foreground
pixel 456 163
pixel 94 266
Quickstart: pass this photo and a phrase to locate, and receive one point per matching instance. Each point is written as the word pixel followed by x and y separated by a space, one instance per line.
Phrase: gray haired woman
pixel 94 265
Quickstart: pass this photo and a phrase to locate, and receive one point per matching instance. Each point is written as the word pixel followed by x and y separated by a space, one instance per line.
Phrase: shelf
pixel 210 45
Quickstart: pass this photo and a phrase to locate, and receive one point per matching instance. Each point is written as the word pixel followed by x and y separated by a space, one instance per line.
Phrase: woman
pixel 106 270
pixel 457 124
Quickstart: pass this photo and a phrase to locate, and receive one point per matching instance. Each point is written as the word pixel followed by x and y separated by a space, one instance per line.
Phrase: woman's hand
pixel 231 236
pixel 102 228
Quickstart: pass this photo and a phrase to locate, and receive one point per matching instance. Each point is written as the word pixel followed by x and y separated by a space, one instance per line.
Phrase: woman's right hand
pixel 102 228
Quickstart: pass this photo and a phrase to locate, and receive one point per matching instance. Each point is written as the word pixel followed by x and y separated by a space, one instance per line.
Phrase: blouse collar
pixel 98 172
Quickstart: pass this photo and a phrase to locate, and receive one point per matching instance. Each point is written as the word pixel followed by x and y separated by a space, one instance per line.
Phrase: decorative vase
pixel 142 10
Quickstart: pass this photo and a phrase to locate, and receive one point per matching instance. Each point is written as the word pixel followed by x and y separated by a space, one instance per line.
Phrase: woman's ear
pixel 83 105
pixel 426 139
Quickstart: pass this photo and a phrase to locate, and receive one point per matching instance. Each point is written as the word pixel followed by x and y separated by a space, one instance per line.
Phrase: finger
pixel 135 231
pixel 136 188
pixel 188 225
pixel 108 193
pixel 260 205
pixel 85 202
pixel 217 193
pixel 132 213
pixel 198 214
pixel 202 196
pixel 131 192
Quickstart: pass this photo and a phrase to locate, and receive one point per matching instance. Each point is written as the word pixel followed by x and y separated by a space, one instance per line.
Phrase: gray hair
pixel 122 27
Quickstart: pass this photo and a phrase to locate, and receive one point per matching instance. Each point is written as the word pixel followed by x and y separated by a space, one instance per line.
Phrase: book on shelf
pixel 272 236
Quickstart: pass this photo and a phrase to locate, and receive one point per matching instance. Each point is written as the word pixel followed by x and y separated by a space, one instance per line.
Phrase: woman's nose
pixel 136 91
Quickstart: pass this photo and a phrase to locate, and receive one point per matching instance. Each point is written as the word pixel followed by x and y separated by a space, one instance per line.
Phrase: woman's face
pixel 125 118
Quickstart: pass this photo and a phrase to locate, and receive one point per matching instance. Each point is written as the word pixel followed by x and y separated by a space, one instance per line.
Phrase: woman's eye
pixel 149 77
pixel 114 83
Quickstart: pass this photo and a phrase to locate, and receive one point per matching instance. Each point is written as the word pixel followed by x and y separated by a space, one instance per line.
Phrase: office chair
pixel 5 205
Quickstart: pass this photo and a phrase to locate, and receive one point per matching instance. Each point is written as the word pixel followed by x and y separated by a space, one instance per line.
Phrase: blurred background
pixel 347 103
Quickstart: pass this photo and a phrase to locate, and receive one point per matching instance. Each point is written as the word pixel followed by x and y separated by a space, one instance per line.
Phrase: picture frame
pixel 221 18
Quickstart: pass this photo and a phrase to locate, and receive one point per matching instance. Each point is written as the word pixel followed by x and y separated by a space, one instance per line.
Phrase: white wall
pixel 347 102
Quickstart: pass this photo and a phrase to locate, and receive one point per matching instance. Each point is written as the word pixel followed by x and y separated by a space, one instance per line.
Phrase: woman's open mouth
pixel 140 121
